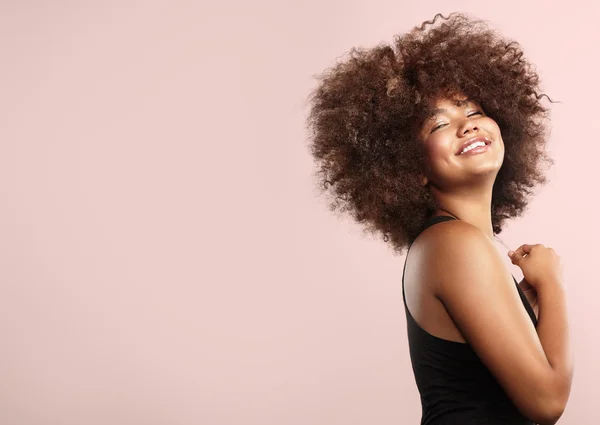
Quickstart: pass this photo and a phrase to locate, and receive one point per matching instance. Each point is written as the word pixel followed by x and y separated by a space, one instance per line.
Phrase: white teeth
pixel 472 146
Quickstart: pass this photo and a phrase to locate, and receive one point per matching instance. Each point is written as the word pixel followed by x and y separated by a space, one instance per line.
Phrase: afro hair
pixel 367 109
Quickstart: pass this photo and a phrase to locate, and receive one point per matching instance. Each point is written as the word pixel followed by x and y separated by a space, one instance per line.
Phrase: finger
pixel 523 249
pixel 519 253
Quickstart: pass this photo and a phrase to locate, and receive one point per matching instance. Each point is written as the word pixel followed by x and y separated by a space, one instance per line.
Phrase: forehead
pixel 441 104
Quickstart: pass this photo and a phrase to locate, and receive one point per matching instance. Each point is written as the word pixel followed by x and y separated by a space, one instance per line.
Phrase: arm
pixel 471 281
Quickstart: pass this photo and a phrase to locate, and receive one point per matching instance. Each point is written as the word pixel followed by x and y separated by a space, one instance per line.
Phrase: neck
pixel 472 206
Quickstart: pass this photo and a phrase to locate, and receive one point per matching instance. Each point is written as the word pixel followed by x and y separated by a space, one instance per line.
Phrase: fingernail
pixel 510 253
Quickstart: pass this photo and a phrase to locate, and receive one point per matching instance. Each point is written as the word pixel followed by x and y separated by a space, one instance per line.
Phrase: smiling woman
pixel 434 142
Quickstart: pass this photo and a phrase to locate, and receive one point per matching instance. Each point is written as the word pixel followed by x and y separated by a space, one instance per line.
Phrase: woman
pixel 434 142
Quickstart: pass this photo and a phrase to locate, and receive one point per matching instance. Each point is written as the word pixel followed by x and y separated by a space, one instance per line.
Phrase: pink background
pixel 164 256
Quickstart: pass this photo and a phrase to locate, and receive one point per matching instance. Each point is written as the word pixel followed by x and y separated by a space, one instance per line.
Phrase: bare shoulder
pixel 453 231
pixel 449 249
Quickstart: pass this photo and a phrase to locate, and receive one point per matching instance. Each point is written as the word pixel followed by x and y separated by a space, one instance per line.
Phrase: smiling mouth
pixel 475 143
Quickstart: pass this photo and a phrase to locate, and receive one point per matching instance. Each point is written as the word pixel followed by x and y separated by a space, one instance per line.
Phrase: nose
pixel 468 126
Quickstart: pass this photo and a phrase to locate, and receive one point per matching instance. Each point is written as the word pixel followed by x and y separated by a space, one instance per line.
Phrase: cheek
pixel 494 131
pixel 437 147
pixel 492 128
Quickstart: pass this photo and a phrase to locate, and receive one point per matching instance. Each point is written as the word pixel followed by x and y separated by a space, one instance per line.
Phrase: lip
pixel 475 139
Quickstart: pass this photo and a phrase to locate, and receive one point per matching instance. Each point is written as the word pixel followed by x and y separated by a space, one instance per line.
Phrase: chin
pixel 484 169
pixel 484 163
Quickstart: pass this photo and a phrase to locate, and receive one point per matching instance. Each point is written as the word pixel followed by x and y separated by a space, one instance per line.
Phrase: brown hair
pixel 366 110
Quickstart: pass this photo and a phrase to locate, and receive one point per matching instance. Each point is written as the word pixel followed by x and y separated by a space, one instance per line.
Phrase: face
pixel 462 144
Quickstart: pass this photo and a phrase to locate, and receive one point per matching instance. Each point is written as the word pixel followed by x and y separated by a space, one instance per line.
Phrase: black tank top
pixel 455 387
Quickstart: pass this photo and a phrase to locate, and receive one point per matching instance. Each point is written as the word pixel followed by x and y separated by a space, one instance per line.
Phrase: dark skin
pixel 457 286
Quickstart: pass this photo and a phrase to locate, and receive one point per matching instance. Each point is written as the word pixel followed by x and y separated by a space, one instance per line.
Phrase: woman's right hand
pixel 539 264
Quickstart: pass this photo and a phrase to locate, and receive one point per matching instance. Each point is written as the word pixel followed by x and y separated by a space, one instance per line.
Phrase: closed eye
pixel 437 126
pixel 440 125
